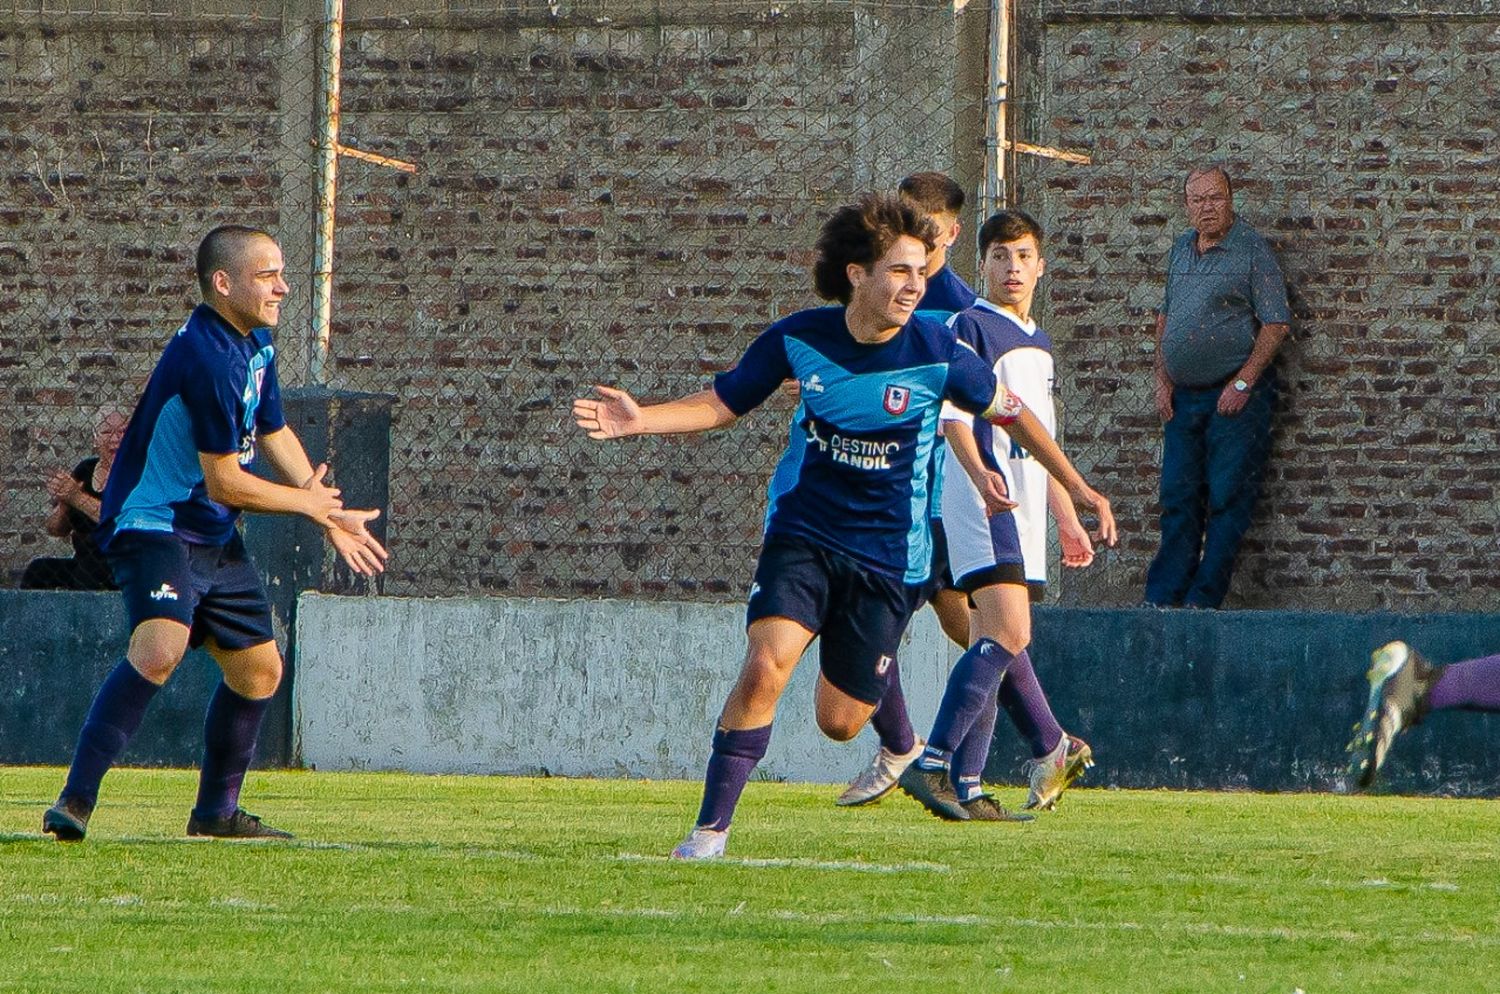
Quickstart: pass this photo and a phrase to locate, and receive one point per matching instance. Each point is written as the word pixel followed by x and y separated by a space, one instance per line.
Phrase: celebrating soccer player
pixel 167 525
pixel 846 531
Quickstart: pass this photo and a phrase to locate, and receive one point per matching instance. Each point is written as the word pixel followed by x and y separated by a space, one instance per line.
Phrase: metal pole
pixel 328 182
pixel 995 196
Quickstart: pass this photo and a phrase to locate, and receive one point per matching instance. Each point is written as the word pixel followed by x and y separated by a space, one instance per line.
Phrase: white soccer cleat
pixel 880 777
pixel 1056 771
pixel 702 843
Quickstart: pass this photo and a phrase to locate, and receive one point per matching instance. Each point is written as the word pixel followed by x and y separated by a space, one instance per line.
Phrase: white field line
pixel 842 865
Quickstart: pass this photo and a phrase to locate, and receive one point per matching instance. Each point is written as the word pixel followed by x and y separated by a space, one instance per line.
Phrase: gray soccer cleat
pixel 983 807
pixel 1056 771
pixel 1399 682
pixel 933 790
pixel 239 824
pixel 68 819
pixel 879 778
pixel 702 843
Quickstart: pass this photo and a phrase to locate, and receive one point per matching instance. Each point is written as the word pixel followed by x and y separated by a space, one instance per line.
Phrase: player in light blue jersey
pixel 846 528
pixel 946 294
pixel 167 526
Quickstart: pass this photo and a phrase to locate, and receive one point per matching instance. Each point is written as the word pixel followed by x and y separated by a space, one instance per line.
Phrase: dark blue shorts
pixel 857 614
pixel 212 589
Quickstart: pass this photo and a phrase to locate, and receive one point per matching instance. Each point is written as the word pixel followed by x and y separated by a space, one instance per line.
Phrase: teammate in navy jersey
pixel 167 525
pixel 846 526
pixel 988 558
pixel 941 199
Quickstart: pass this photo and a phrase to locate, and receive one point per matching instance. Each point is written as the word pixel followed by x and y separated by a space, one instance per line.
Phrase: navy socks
pixel 735 754
pixel 113 718
pixel 230 731
pixel 890 720
pixel 972 687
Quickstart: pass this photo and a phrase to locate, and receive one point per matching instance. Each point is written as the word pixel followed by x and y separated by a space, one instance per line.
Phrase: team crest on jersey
pixel 896 398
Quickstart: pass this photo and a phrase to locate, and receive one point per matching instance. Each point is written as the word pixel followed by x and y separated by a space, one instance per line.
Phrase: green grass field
pixel 505 884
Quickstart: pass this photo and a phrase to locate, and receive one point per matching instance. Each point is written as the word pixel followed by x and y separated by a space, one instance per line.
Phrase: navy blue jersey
pixel 945 296
pixel 857 470
pixel 1021 357
pixel 211 391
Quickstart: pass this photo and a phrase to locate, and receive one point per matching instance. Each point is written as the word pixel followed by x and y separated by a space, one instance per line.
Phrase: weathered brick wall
pixel 1365 150
pixel 121 140
pixel 615 192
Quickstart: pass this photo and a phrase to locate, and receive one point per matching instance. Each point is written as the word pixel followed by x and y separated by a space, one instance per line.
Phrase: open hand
pixel 1077 546
pixel 1088 499
pixel 614 415
pixel 322 500
pixel 352 540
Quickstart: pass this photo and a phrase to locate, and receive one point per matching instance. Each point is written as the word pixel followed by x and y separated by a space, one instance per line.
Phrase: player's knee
pixel 839 727
pixel 260 680
pixel 1015 642
pixel 155 663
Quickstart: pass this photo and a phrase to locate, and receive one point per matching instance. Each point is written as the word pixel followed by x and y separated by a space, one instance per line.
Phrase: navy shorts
pixel 857 613
pixel 212 589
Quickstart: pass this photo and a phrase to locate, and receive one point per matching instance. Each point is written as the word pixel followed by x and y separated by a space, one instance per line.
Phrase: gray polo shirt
pixel 1216 302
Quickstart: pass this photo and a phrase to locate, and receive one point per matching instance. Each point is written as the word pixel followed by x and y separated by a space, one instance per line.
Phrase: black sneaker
pixel 986 808
pixel 240 825
pixel 68 819
pixel 932 790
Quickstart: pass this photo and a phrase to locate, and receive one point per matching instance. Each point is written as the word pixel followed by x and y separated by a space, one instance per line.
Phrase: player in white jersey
pixel 997 551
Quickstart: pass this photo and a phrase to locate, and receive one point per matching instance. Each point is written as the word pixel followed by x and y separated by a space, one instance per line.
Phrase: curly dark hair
pixel 861 233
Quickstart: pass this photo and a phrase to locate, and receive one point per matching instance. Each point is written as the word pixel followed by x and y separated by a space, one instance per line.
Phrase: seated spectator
pixel 75 513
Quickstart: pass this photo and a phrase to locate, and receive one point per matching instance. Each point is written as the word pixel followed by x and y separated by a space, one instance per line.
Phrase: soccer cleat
pixel 1399 682
pixel 702 843
pixel 1056 771
pixel 239 825
pixel 879 778
pixel 68 819
pixel 932 789
pixel 983 807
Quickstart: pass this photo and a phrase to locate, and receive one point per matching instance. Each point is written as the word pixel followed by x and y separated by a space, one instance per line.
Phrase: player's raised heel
pixel 702 843
pixel 239 825
pixel 1056 772
pixel 68 819
pixel 880 777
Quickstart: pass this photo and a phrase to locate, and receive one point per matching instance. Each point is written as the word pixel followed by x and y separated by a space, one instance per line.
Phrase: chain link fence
pixel 627 193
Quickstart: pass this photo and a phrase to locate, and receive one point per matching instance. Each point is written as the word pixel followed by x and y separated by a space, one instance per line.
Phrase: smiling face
pixel 249 288
pixel 885 295
pixel 1210 208
pixel 1011 271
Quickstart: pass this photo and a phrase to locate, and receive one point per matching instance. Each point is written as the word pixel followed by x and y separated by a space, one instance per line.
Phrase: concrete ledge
pixel 1252 700
pixel 1248 10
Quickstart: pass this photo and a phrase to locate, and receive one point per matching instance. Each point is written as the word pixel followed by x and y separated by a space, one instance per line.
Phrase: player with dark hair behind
pixel 167 525
pixel 846 527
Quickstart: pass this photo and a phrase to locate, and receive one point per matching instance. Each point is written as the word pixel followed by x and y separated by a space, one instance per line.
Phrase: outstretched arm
pixel 616 414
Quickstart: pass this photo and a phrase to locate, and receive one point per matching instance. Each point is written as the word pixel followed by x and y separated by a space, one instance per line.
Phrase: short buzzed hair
pixel 934 193
pixel 1008 226
pixel 1208 169
pixel 860 233
pixel 220 247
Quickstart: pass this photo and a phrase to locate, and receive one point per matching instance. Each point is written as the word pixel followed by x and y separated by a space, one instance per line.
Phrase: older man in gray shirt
pixel 1221 321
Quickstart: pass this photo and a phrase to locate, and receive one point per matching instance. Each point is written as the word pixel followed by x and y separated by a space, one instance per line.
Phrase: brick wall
pixel 1364 149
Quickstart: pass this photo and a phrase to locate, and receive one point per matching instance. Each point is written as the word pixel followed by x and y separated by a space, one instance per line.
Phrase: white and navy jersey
pixel 212 390
pixel 1020 354
pixel 855 477
pixel 945 296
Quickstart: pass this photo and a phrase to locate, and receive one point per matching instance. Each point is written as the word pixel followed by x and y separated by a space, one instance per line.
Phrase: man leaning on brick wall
pixel 1222 319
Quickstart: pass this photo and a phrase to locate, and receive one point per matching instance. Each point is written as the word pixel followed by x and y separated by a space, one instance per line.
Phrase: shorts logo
pixel 754 589
pixel 896 399
pixel 164 593
pixel 884 665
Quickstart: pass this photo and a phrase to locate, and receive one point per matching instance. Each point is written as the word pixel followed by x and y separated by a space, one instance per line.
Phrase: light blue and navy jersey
pixel 211 391
pixel 945 296
pixel 857 470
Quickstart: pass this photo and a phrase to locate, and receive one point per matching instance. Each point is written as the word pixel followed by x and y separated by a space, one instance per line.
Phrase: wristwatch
pixel 1240 386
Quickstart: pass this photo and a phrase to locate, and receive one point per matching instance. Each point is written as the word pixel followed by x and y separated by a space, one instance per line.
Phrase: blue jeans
pixel 1211 473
